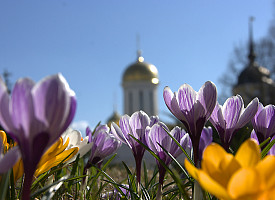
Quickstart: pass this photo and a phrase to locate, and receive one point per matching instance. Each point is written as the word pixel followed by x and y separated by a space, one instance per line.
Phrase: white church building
pixel 140 82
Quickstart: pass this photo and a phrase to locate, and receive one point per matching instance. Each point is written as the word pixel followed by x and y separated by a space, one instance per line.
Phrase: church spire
pixel 251 54
pixel 139 52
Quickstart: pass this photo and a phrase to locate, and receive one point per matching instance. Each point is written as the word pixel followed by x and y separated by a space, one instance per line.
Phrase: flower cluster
pixel 37 117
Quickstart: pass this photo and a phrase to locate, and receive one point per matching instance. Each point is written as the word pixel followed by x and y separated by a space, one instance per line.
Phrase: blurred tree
pixel 265 56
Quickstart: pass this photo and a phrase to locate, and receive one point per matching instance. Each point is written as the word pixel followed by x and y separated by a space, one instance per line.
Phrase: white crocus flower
pixel 76 140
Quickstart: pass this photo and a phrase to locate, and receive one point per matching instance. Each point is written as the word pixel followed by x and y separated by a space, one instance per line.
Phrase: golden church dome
pixel 141 71
pixel 115 117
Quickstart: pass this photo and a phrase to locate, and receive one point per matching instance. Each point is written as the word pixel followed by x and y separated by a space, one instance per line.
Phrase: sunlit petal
pixel 246 181
pixel 62 157
pixel 192 170
pixel 212 186
pixel 214 154
pixel 249 153
pixel 266 170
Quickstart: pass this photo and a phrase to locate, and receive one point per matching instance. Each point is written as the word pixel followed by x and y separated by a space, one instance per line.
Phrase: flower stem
pixel 138 169
pixel 159 192
pixel 27 185
pixel 197 195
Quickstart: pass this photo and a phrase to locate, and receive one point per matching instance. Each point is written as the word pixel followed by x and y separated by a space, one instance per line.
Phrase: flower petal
pixel 157 136
pixel 207 96
pixel 138 122
pixel 266 171
pixel 253 135
pixel 53 101
pixel 213 154
pixel 270 112
pixel 172 103
pixel 125 126
pixel 245 182
pixel 54 161
pixel 224 167
pixel 75 137
pixel 192 170
pixel 18 170
pixel 181 137
pixel 205 139
pixel 212 186
pixel 52 151
pixel 83 149
pixel 249 153
pixel 260 109
pixel 22 106
pixel 248 113
pixel 5 114
pixel 231 110
pixel 186 97
pixel 117 132
pixel 214 118
pixel 9 159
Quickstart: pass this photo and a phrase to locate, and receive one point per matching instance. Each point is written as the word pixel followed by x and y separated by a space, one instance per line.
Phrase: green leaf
pixel 265 142
pixel 99 171
pixel 116 185
pixel 12 188
pixel 177 163
pixel 174 175
pixel 74 169
pixel 51 187
pixel 154 177
pixel 4 184
pixel 145 193
pixel 183 150
pixel 131 182
pixel 267 148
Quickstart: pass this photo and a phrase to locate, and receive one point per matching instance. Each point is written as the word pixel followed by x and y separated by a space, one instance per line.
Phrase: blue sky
pixel 92 42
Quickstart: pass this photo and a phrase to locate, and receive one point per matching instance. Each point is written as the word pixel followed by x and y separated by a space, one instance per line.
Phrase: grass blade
pixel 183 150
pixel 4 184
pixel 174 175
pixel 267 148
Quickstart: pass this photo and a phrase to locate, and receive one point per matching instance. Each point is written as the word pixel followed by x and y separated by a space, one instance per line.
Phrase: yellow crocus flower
pixel 56 154
pixel 51 158
pixel 241 177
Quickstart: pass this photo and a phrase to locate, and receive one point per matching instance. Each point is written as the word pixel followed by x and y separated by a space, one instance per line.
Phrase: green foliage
pixel 69 181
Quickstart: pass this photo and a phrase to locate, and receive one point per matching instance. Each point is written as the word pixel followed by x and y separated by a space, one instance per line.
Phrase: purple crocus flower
pixel 264 122
pixel 103 144
pixel 205 140
pixel 156 136
pixel 232 116
pixel 134 125
pixel 35 116
pixel 192 108
pixel 116 195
